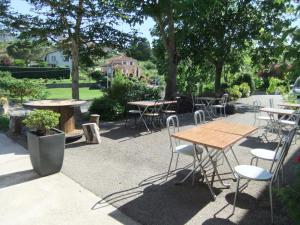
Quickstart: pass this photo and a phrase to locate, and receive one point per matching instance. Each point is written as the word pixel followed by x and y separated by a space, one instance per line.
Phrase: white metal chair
pixel 256 173
pixel 222 105
pixel 257 114
pixel 199 117
pixel 197 103
pixel 154 114
pixel 175 145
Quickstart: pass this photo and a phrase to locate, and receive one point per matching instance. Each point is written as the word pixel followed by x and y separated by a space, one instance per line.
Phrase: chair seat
pixel 253 172
pixel 187 150
pixel 218 106
pixel 264 154
pixel 169 111
pixel 134 111
pixel 151 114
pixel 263 118
pixel 287 122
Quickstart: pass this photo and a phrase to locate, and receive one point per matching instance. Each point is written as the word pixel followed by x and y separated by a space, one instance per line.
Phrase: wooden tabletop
pixel 230 127
pixel 151 103
pixel 278 111
pixel 54 103
pixel 290 105
pixel 207 137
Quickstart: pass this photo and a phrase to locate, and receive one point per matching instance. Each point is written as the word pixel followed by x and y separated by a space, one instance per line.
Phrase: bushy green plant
pixel 245 90
pixel 41 121
pixel 22 88
pixel 108 108
pixel 19 62
pixel 112 105
pixel 276 86
pixel 245 78
pixel 96 75
pixel 4 122
pixel 234 92
pixel 290 195
pixel 290 97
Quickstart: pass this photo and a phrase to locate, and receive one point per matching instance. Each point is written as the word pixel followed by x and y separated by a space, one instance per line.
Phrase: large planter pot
pixel 46 152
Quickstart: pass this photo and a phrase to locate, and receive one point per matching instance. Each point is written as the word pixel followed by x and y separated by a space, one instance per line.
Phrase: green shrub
pixel 276 86
pixel 245 78
pixel 37 72
pixel 108 108
pixel 19 62
pixel 96 75
pixel 4 122
pixel 290 196
pixel 234 92
pixel 290 97
pixel 42 121
pixel 112 105
pixel 245 90
pixel 22 88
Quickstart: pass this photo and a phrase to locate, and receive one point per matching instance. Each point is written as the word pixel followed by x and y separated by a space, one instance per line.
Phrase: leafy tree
pixel 75 24
pixel 27 50
pixel 292 55
pixel 230 28
pixel 139 48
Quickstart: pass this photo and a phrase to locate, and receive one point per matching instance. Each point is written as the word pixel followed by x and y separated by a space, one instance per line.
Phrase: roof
pixel 120 57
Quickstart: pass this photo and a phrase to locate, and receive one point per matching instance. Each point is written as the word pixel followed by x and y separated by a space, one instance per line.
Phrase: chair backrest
pixel 157 108
pixel 224 99
pixel 282 152
pixel 199 117
pixel 173 127
pixel 271 102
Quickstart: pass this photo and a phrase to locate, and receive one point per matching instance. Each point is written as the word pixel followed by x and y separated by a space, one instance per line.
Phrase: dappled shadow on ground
pixel 257 142
pixel 19 177
pixel 156 201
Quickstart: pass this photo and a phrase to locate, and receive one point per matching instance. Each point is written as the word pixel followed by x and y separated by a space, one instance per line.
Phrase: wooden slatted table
pixel 144 105
pixel 290 105
pixel 218 135
pixel 277 111
pixel 230 127
pixel 64 107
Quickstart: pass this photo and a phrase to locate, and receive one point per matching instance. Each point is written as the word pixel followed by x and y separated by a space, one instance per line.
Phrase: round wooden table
pixel 64 107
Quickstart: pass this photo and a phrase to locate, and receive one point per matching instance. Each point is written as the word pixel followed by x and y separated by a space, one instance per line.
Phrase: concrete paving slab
pixel 28 199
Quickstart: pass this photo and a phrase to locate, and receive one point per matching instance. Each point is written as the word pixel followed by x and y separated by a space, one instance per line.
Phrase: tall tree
pixel 230 28
pixel 139 48
pixel 74 24
pixel 27 50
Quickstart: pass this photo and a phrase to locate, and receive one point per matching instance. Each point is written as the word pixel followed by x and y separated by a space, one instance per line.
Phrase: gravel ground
pixel 128 169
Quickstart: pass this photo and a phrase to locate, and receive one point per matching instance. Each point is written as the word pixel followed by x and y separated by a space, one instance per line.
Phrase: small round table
pixel 64 107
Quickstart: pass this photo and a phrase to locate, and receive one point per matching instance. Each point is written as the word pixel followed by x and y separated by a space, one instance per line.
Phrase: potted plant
pixel 46 144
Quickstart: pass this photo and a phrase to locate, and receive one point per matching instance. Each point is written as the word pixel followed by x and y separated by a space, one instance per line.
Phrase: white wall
pixel 58 59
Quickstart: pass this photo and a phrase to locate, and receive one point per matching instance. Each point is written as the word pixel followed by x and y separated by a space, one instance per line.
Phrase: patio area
pixel 128 169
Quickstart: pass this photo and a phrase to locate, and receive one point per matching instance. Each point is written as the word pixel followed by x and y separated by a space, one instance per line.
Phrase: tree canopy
pixel 76 25
pixel 139 48
pixel 27 50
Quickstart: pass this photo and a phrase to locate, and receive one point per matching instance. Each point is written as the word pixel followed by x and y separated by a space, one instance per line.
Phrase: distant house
pixel 58 59
pixel 126 65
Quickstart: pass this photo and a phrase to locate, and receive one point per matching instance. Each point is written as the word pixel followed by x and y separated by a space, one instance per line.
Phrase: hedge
pixel 37 72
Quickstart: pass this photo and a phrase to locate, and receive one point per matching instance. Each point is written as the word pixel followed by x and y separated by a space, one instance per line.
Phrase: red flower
pixel 298 159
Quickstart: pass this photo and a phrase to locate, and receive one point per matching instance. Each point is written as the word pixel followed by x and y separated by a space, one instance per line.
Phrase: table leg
pixel 142 116
pixel 215 167
pixel 67 121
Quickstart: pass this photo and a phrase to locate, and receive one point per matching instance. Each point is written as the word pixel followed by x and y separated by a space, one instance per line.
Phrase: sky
pixel 22 6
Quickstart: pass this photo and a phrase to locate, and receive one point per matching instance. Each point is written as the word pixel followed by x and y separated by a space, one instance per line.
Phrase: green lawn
pixel 65 93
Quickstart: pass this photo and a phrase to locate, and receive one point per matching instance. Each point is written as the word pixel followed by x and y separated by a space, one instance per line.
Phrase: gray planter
pixel 46 152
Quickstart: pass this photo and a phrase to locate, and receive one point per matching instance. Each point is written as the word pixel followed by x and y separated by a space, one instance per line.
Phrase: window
pixel 53 58
pixel 131 63
pixel 124 62
pixel 66 58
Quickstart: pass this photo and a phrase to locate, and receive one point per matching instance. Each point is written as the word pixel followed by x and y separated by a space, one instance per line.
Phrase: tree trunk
pixel 172 72
pixel 75 69
pixel 218 75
